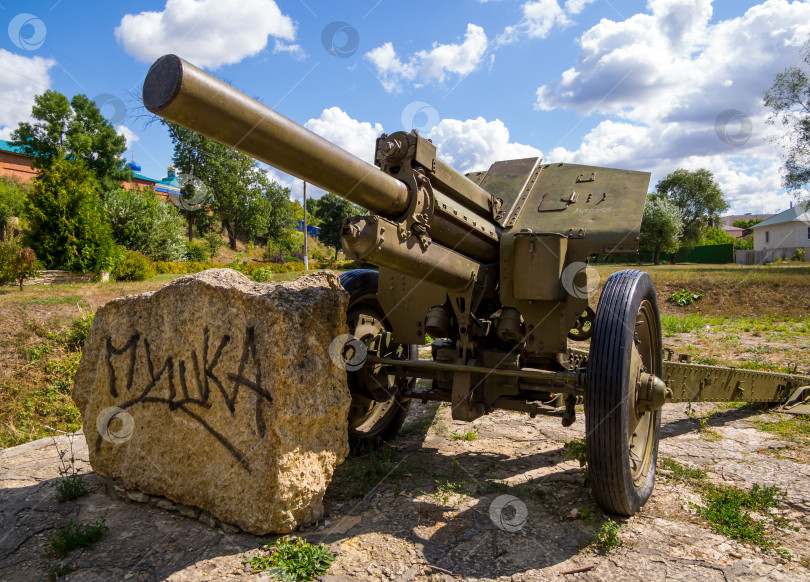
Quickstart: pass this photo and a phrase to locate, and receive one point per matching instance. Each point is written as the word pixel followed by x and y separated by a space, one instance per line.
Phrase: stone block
pixel 218 392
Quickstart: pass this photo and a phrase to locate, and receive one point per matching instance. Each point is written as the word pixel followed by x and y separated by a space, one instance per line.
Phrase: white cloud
pixel 356 137
pixel 21 79
pixel 208 33
pixel 294 50
pixel 539 17
pixel 577 6
pixel 664 80
pixel 435 65
pixel 128 134
pixel 475 144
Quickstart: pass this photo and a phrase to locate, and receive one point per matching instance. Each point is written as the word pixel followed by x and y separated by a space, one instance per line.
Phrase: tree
pixel 331 211
pixel 66 225
pixel 789 100
pixel 12 195
pixel 661 227
pixel 714 235
pixel 72 129
pixel 698 197
pixel 242 196
pixel 747 224
pixel 312 212
pixel 17 263
pixel 141 221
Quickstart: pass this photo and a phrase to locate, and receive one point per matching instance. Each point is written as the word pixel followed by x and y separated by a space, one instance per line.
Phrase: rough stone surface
pixel 217 392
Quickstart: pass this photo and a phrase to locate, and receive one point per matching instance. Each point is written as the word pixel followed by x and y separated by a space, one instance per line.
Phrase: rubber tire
pixel 361 284
pixel 606 397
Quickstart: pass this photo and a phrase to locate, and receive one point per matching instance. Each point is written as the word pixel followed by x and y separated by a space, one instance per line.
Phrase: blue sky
pixel 641 85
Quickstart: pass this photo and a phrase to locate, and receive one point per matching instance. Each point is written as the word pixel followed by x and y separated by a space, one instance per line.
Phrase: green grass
pixel 728 510
pixel 681 472
pixel 782 327
pixel 366 468
pixel 56 300
pixel 74 536
pixel 418 426
pixel 291 558
pixel 794 428
pixel 446 490
pixel 469 435
pixel 576 449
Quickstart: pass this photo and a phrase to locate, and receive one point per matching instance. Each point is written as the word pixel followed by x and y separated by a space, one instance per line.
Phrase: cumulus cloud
pixel 577 6
pixel 664 80
pixel 21 79
pixel 356 137
pixel 128 134
pixel 475 144
pixel 435 65
pixel 539 17
pixel 209 33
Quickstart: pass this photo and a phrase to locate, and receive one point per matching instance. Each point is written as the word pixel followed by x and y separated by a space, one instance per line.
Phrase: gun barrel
pixel 180 92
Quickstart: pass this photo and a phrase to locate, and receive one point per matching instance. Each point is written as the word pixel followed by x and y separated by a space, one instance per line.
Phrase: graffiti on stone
pixel 195 384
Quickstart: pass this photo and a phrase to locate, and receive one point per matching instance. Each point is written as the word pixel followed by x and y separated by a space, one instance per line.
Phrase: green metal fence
pixel 715 254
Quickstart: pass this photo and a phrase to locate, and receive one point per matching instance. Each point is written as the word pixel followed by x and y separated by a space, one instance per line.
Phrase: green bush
pixel 134 267
pixel 214 242
pixel 17 263
pixel 12 195
pixel 141 221
pixel 66 224
pixel 199 252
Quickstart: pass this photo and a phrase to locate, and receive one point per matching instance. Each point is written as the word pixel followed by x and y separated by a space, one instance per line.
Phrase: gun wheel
pixel 622 435
pixel 372 417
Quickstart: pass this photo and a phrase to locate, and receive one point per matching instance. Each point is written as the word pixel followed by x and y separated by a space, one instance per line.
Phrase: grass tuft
pixel 681 472
pixel 470 435
pixel 75 536
pixel 728 510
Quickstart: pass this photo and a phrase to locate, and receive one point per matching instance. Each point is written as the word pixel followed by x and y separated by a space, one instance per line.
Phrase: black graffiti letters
pixel 190 380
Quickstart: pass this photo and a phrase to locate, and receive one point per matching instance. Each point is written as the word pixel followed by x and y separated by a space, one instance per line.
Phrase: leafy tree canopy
pixel 698 197
pixel 661 227
pixel 789 100
pixel 241 195
pixel 73 129
pixel 331 210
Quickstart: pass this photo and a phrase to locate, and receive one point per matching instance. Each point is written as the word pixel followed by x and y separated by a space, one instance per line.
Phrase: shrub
pixel 141 221
pixel 17 264
pixel 134 267
pixel 12 195
pixel 67 226
pixel 199 252
pixel 214 242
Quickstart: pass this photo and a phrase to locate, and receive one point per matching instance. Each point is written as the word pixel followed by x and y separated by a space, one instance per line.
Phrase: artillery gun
pixel 493 265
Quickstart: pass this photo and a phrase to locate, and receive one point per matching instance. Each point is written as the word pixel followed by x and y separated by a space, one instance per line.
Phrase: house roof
pixel 7 147
pixel 799 212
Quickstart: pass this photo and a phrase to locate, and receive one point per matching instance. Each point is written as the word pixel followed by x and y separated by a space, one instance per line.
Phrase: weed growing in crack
pixel 70 484
pixel 293 559
pixel 608 537
pixel 470 435
pixel 74 536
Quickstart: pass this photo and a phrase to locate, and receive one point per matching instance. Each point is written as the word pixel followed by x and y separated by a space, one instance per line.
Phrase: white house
pixel 788 230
